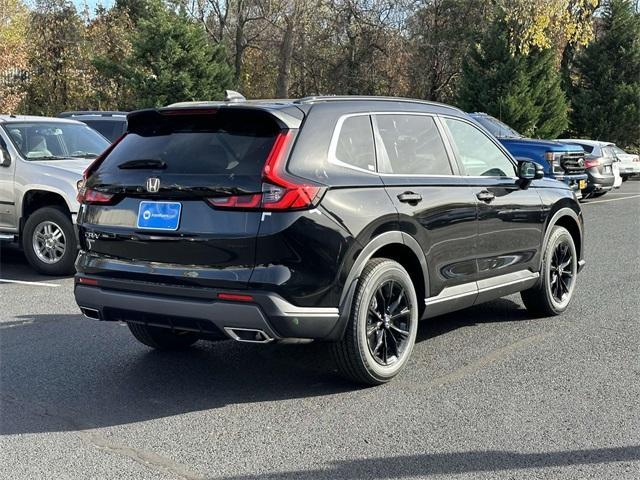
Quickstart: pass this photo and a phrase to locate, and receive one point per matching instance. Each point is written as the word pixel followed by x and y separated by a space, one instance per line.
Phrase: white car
pixel 629 163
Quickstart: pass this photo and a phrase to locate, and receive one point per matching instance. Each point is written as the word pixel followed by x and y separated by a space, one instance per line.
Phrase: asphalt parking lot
pixel 489 393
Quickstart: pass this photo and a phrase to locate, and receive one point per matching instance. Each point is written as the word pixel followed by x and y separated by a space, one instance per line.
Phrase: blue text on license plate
pixel 159 215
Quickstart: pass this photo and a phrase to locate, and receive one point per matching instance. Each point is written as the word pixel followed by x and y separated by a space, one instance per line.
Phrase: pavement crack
pixel 146 458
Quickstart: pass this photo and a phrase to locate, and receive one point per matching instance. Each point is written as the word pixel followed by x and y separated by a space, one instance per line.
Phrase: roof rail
pixel 339 98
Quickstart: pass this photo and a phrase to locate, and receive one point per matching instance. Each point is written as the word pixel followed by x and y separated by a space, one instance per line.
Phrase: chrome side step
pixel 7 236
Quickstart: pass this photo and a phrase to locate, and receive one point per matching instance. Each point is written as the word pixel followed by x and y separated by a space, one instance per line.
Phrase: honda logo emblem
pixel 153 184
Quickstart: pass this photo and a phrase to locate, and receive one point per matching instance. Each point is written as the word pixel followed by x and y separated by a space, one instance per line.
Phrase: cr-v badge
pixel 153 184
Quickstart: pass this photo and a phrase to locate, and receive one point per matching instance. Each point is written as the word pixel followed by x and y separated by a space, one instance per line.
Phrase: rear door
pixel 161 186
pixel 435 204
pixel 510 218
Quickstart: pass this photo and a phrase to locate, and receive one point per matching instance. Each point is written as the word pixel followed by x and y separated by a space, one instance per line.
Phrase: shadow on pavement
pixel 60 373
pixel 421 466
pixel 14 266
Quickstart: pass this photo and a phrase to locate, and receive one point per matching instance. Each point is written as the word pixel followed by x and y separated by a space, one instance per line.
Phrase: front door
pixel 7 200
pixel 510 217
pixel 435 204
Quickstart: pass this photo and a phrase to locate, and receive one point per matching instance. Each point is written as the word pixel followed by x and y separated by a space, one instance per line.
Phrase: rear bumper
pixel 200 310
pixel 599 182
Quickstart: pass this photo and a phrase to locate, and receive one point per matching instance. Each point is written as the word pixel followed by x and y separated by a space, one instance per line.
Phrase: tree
pixel 543 23
pixel 109 35
pixel 172 60
pixel 606 95
pixel 523 91
pixel 440 38
pixel 13 53
pixel 233 23
pixel 57 59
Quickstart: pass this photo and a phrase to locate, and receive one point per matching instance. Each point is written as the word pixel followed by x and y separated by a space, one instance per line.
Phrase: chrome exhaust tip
pixel 248 335
pixel 90 313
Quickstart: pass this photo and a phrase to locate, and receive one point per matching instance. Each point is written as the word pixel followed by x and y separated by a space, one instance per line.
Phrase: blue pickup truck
pixel 562 161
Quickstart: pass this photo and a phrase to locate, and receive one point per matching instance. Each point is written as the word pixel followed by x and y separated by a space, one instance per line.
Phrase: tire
pixel 361 358
pixel 625 178
pixel 548 297
pixel 162 338
pixel 50 261
pixel 597 194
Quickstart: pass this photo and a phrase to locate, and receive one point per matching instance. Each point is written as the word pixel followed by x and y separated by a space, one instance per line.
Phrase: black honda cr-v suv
pixel 341 219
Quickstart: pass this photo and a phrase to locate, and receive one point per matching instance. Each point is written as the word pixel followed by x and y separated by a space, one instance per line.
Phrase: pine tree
pixel 606 95
pixel 523 91
pixel 173 60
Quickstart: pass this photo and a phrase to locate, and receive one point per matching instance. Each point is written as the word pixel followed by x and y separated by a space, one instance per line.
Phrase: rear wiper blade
pixel 143 163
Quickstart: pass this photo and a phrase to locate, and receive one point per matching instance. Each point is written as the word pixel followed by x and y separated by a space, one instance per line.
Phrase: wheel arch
pixel 569 219
pixel 37 198
pixel 395 245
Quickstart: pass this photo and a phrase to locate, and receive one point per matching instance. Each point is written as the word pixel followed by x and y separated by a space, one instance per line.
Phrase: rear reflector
pixel 88 281
pixel 235 297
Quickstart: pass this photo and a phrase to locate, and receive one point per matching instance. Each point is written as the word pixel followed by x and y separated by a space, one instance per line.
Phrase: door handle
pixel 485 196
pixel 410 197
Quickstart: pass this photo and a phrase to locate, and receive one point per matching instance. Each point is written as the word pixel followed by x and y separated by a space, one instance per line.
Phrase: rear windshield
pixel 496 127
pixel 587 148
pixel 110 129
pixel 222 143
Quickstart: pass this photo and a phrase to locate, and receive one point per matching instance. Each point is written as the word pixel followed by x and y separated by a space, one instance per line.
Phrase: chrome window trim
pixel 445 140
pixel 333 145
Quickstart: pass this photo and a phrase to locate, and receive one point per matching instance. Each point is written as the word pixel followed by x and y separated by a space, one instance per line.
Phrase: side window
pixel 355 143
pixel 478 154
pixel 412 146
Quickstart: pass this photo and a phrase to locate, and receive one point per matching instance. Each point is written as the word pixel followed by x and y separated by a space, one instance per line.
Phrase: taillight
pixel 593 162
pixel 278 193
pixel 92 196
pixel 88 195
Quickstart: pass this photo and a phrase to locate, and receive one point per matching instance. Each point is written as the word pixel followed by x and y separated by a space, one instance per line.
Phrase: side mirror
pixel 528 170
pixel 5 158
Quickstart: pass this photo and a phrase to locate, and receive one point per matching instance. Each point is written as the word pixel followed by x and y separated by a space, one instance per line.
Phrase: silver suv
pixel 41 163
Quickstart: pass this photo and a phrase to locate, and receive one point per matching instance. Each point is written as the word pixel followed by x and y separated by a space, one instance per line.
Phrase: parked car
pixel 563 162
pixel 340 219
pixel 629 163
pixel 41 162
pixel 110 125
pixel 601 164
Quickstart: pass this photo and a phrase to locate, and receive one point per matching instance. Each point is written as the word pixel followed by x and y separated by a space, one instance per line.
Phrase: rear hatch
pixel 181 196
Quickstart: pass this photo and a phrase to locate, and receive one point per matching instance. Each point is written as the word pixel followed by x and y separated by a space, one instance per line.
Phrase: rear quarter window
pixel 354 145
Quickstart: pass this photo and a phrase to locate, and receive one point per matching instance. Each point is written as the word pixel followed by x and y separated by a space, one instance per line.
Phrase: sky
pixel 92 4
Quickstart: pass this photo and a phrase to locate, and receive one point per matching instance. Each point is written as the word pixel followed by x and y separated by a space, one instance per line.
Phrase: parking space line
pixel 24 282
pixel 611 200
